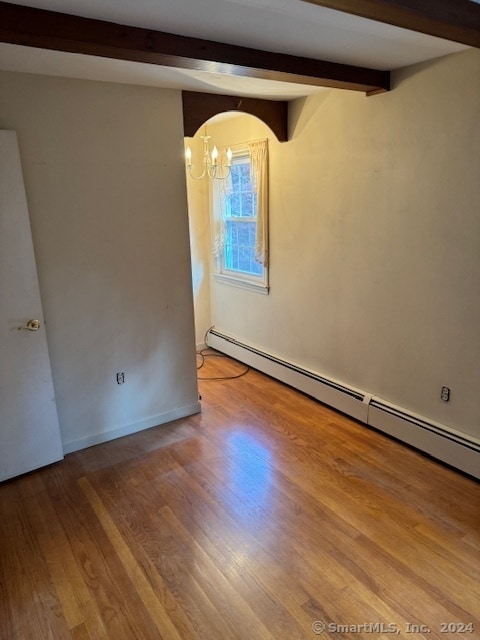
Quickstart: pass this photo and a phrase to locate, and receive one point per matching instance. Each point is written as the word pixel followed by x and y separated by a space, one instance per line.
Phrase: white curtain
pixel 219 190
pixel 259 176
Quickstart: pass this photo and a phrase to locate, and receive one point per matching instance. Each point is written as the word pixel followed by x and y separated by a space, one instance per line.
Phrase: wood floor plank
pixel 347 494
pixel 261 516
pixel 231 607
pixel 78 606
pixel 327 572
pixel 35 609
pixel 154 604
pixel 101 568
pixel 180 490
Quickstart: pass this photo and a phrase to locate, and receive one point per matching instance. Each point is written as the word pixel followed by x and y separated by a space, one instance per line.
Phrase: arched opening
pixel 211 293
pixel 199 107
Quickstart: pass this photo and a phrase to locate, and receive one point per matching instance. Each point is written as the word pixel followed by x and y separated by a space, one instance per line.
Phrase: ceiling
pixel 281 26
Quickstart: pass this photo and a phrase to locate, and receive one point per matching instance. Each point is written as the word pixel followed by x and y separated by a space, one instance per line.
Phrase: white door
pixel 29 429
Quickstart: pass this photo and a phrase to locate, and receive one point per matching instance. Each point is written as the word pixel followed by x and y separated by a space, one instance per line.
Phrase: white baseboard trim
pixel 200 346
pixel 457 449
pixel 126 430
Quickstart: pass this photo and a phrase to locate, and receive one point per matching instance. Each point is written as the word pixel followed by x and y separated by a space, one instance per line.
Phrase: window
pixel 240 217
pixel 240 220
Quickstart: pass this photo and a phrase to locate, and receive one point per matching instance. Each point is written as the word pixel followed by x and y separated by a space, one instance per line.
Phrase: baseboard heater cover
pixel 333 393
pixel 449 445
pixel 453 447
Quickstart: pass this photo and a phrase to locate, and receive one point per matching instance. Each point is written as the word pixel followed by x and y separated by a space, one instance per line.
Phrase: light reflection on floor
pixel 250 476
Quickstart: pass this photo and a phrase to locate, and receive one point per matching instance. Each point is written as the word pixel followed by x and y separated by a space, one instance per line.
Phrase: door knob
pixel 32 325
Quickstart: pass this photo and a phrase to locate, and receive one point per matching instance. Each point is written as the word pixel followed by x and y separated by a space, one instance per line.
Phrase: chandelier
pixel 216 165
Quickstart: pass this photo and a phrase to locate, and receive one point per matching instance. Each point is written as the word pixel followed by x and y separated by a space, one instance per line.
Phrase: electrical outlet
pixel 120 377
pixel 445 394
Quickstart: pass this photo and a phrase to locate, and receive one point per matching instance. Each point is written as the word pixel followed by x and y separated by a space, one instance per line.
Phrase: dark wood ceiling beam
pixel 34 27
pixel 457 20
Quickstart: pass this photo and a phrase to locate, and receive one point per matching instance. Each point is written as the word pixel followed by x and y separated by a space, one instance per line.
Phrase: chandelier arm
pixel 216 175
pixel 202 175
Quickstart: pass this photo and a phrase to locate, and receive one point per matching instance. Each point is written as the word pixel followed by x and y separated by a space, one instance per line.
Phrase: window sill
pixel 249 285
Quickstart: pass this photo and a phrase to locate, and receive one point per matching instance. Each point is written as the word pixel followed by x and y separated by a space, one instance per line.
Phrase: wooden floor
pixel 266 516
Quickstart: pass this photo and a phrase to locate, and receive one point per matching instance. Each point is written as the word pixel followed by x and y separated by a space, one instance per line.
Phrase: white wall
pixel 103 168
pixel 375 241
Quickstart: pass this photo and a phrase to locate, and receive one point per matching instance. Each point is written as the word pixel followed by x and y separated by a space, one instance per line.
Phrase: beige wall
pixel 375 241
pixel 103 169
pixel 199 221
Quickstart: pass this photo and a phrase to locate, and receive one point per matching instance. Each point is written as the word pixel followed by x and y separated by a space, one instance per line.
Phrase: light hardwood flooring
pixel 266 516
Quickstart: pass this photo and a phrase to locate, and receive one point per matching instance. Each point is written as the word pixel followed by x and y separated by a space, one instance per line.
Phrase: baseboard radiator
pixel 448 445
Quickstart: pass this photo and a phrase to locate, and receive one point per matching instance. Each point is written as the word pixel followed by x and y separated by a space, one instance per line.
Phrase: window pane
pixel 235 177
pixel 234 204
pixel 240 222
pixel 247 205
pixel 239 253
